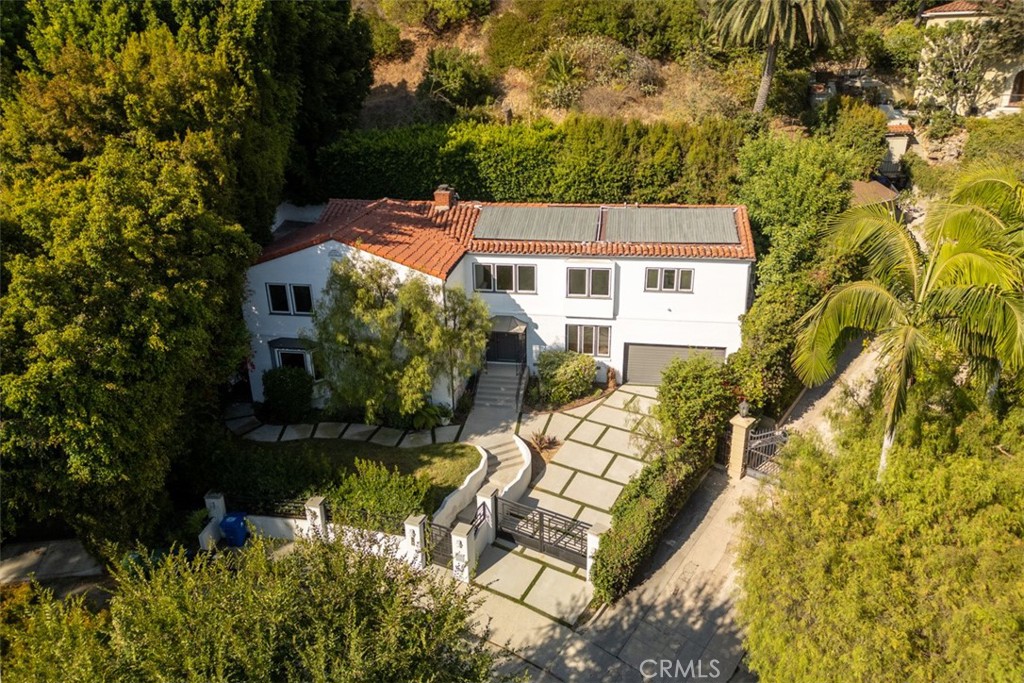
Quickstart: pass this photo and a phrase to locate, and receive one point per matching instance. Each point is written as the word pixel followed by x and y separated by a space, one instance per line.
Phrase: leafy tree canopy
pixel 914 579
pixel 324 612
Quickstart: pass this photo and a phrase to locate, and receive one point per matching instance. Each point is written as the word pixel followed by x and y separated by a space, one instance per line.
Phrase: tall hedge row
pixel 584 159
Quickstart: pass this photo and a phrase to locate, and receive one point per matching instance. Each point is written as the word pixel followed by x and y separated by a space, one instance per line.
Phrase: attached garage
pixel 644 362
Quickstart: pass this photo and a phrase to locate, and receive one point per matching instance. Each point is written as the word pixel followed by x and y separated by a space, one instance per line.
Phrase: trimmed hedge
pixel 287 393
pixel 584 159
pixel 565 375
pixel 644 509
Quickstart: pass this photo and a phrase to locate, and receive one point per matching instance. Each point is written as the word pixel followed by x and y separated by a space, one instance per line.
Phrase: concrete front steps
pixel 499 387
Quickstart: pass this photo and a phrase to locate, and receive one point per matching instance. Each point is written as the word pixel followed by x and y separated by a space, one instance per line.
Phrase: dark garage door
pixel 644 362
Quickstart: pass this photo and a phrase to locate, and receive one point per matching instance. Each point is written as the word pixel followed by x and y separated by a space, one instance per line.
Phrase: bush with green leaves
pixel 287 393
pixel 902 46
pixel 929 179
pixel 857 126
pixel 696 398
pixel 374 497
pixel 436 15
pixel 513 40
pixel 323 612
pixel 385 36
pixel 998 140
pixel 585 159
pixel 455 78
pixel 917 576
pixel 644 509
pixel 565 375
pixel 561 79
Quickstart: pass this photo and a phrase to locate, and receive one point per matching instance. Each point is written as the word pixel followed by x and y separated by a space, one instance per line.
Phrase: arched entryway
pixel 507 343
pixel 1017 92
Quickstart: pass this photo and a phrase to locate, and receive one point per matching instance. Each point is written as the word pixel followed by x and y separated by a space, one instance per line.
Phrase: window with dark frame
pixel 594 340
pixel 669 280
pixel 501 277
pixel 278 298
pixel 302 297
pixel 589 282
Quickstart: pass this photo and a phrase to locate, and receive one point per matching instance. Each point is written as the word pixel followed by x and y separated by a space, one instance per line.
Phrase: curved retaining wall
pixel 521 481
pixel 462 496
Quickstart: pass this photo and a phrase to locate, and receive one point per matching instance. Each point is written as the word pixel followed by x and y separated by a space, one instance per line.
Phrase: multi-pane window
pixel 669 280
pixel 505 277
pixel 589 282
pixel 297 358
pixel 592 339
pixel 290 299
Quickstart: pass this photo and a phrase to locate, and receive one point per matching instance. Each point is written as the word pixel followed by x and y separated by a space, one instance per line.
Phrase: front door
pixel 506 347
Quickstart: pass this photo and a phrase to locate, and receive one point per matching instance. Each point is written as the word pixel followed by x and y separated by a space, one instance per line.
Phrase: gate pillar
pixel 488 497
pixel 464 552
pixel 414 532
pixel 594 534
pixel 741 427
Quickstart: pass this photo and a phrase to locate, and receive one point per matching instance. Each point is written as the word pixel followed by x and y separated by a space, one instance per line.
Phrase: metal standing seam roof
pixel 538 223
pixel 704 225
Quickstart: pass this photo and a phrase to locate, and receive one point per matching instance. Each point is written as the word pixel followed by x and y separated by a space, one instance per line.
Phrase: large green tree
pixel 916 578
pixel 122 309
pixel 965 290
pixel 324 612
pixel 775 24
pixel 382 341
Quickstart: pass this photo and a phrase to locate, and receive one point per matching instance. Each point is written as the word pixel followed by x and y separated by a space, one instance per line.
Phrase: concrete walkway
pixel 493 421
pixel 46 560
pixel 683 610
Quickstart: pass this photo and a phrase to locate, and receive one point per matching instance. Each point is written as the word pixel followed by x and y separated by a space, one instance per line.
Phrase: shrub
pixel 857 126
pixel 374 497
pixel 644 509
pixel 942 123
pixel 513 40
pixel 436 15
pixel 927 178
pixel 565 375
pixel 455 78
pixel 287 393
pixel 696 398
pixel 999 140
pixel 902 48
pixel 385 37
pixel 561 80
pixel 543 442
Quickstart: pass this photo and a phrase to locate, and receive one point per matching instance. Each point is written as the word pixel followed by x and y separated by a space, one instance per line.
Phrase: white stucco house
pixel 634 286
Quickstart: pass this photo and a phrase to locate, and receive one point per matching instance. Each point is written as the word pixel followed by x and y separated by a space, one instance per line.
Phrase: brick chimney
pixel 445 197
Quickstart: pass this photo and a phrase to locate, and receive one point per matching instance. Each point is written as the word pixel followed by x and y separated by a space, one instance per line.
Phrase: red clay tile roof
pixel 957 6
pixel 416 235
pixel 900 129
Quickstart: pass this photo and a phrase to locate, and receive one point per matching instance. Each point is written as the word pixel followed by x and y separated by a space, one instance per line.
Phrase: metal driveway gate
pixel 549 532
pixel 762 446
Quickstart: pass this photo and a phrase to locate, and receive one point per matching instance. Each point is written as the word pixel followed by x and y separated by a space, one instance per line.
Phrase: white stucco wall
pixel 310 266
pixel 709 316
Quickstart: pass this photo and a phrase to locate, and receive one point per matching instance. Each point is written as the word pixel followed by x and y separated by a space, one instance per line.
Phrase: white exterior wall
pixel 709 316
pixel 310 266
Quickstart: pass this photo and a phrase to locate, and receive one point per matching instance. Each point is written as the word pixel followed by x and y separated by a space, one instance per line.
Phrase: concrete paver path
pixel 46 560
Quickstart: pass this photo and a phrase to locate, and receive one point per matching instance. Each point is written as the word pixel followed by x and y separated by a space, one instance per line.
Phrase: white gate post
pixel 741 427
pixel 488 497
pixel 414 532
pixel 316 517
pixel 464 552
pixel 216 506
pixel 594 534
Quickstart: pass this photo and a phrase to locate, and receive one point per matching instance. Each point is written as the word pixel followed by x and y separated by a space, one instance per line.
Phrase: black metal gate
pixel 762 446
pixel 549 532
pixel 439 544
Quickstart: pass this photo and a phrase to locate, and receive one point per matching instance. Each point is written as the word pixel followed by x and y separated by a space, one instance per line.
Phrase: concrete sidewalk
pixel 46 560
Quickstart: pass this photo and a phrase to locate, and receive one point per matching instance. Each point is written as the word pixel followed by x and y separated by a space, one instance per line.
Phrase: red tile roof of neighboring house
pixel 900 129
pixel 415 234
pixel 951 7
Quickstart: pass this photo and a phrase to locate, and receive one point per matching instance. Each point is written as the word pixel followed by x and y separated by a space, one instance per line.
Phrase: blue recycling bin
pixel 234 529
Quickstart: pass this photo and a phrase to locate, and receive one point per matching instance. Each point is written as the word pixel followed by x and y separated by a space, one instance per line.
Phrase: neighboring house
pixel 871 192
pixel 898 136
pixel 1007 78
pixel 634 286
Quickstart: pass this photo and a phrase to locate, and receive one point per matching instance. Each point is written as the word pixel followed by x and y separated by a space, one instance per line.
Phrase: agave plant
pixel 966 288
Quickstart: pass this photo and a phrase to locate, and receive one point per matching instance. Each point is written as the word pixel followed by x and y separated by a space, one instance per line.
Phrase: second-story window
pixel 505 277
pixel 290 299
pixel 669 280
pixel 589 282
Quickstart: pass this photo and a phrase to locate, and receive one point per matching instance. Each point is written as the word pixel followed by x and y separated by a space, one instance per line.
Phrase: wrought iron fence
pixel 266 506
pixel 763 445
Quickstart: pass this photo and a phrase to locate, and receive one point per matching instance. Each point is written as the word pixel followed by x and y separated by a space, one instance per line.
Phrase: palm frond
pixel 881 236
pixel 999 187
pixel 846 309
pixel 987 322
pixel 900 349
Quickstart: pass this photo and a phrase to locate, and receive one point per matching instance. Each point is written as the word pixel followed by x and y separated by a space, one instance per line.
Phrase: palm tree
pixel 965 289
pixel 770 24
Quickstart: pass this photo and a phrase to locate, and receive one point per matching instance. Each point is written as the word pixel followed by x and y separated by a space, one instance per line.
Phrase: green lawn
pixel 293 469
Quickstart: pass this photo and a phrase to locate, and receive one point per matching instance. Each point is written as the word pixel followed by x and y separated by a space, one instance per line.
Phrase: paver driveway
pixel 597 456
